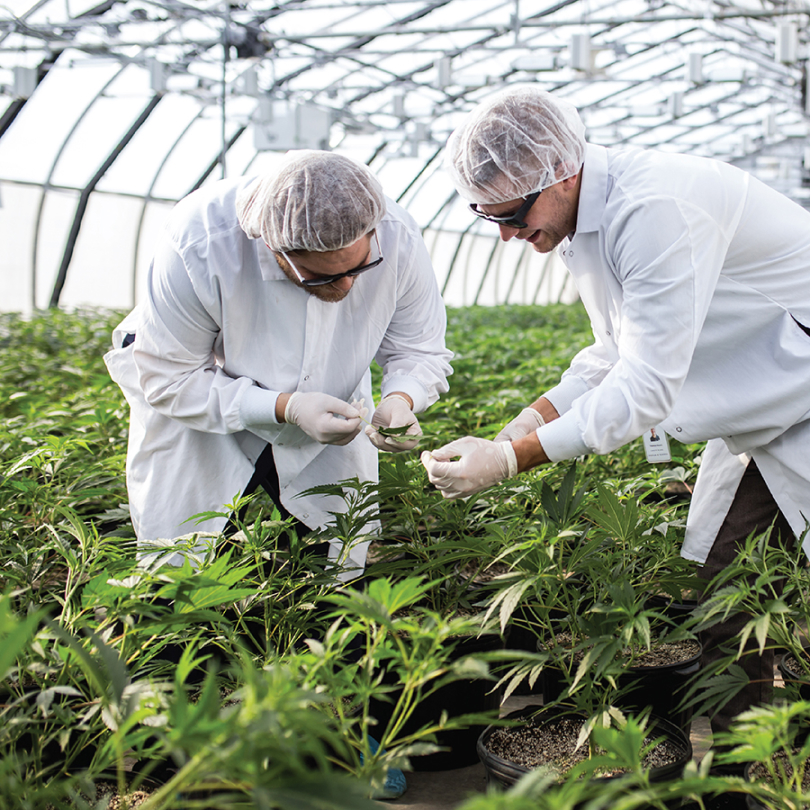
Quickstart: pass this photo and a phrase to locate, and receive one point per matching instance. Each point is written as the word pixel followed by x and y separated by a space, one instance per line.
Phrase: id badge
pixel 657 448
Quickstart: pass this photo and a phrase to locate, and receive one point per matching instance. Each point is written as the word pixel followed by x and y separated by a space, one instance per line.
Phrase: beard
pixel 325 292
pixel 559 223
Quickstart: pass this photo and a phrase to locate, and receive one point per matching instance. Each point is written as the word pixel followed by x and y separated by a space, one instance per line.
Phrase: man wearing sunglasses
pixel 695 277
pixel 248 362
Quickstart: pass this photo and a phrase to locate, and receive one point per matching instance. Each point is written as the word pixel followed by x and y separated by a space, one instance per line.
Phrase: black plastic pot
pixel 676 611
pixel 659 688
pixel 751 803
pixel 506 773
pixel 791 674
pixel 133 781
pixel 749 775
pixel 723 801
pixel 457 698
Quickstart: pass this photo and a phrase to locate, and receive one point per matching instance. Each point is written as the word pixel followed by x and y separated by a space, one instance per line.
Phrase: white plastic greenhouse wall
pixel 111 112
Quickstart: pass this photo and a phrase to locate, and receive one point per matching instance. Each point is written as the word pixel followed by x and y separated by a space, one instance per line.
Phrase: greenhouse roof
pixel 112 111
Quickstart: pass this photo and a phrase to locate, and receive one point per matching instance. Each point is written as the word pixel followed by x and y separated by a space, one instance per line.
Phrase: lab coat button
pixel 307 378
pixel 678 430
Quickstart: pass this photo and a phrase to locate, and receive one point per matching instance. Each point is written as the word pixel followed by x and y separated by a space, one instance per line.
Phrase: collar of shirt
pixel 593 189
pixel 268 265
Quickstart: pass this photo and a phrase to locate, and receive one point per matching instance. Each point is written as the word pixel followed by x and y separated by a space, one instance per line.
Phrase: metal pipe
pixel 84 198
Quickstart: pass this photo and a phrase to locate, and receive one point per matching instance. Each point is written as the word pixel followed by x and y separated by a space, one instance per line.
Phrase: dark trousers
pixel 266 476
pixel 753 509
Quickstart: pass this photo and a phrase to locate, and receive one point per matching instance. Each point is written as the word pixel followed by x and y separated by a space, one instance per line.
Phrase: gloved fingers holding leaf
pixel 469 465
pixel 394 427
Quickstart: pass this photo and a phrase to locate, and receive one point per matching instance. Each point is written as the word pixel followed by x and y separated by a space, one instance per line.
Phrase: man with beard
pixel 247 364
pixel 695 278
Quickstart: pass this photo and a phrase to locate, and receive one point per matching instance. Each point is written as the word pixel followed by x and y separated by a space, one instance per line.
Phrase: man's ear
pixel 570 182
pixel 566 167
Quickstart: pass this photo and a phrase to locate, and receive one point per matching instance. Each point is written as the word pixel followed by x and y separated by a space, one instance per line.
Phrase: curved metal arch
pixel 84 198
pixel 442 213
pixel 14 109
pixel 47 184
pixel 544 271
pixel 148 196
pixel 456 252
pixel 486 271
pixel 218 160
pixel 443 209
pixel 522 259
pixel 359 42
pixel 419 174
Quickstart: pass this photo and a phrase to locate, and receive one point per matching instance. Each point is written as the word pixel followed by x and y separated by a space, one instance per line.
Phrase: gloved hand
pixel 528 421
pixel 481 464
pixel 394 412
pixel 325 418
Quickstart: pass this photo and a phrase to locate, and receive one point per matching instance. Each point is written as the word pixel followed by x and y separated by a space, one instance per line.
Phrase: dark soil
pixel 488 574
pixel 380 551
pixel 553 744
pixel 116 802
pixel 793 666
pixel 672 652
pixel 108 797
pixel 759 772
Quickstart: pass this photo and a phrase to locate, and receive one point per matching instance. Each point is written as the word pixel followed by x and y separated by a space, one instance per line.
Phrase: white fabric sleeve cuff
pixel 565 393
pixel 258 406
pixel 512 461
pixel 562 439
pixel 408 385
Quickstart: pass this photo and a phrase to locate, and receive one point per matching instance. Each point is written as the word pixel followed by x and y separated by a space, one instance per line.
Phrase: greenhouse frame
pixel 114 111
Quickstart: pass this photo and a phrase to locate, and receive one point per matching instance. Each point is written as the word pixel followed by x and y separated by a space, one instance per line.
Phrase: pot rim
pixel 555 714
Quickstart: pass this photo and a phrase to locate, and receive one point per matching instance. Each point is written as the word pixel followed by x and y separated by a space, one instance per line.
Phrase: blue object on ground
pixel 395 784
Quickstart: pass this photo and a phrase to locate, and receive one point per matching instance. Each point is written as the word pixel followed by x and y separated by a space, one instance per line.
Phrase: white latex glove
pixel 392 412
pixel 481 464
pixel 528 421
pixel 325 418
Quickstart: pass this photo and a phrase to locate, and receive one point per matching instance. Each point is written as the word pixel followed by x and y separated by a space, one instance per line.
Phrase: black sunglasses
pixel 514 220
pixel 356 271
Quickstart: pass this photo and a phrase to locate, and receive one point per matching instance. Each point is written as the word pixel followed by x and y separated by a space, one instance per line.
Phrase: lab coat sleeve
pixel 588 368
pixel 174 352
pixel 412 353
pixel 666 255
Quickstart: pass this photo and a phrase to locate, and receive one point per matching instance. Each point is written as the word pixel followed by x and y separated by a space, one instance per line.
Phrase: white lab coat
pixel 220 317
pixel 692 273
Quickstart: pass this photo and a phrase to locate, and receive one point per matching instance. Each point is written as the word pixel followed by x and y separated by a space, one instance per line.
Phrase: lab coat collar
pixel 593 189
pixel 268 265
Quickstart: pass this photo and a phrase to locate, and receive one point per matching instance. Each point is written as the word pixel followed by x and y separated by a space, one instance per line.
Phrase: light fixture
pixel 25 81
pixel 158 76
pixel 769 123
pixel 580 52
pixel 535 62
pixel 444 72
pixel 675 104
pixel 695 68
pixel 249 82
pixel 294 126
pixel 785 50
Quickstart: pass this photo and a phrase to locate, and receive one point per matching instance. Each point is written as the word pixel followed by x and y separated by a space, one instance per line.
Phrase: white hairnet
pixel 316 201
pixel 519 141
